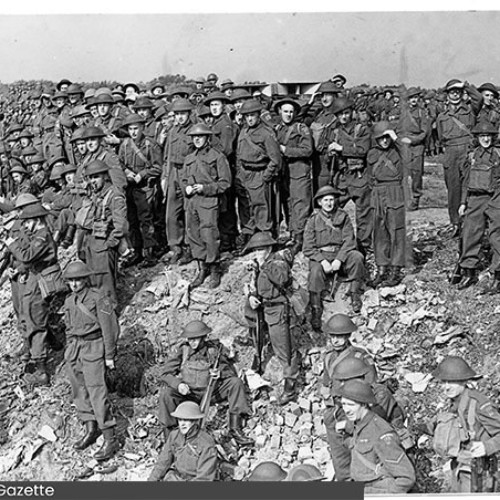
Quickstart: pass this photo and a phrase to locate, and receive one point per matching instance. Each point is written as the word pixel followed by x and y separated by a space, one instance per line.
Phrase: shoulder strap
pixel 139 153
pixel 461 125
pixel 86 311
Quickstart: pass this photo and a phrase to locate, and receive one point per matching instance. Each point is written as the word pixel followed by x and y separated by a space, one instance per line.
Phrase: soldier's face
pixel 96 182
pixel 228 92
pixel 157 91
pixel 94 111
pixel 74 98
pixel 25 141
pixel 413 101
pixel 81 146
pixel 185 425
pixel 238 104
pixel 345 116
pixel 199 141
pixel 17 177
pixel 455 95
pixel 339 342
pixel 60 102
pixel 36 103
pixel 327 203
pixel 216 108
pixel 70 178
pixel 78 121
pixel 103 109
pixel 353 410
pixel 287 113
pixel 485 140
pixel 134 131
pixel 92 144
pixel 453 389
pixel 327 99
pixel 182 117
pixel 488 97
pixel 144 112
pixel 252 119
pixel 195 343
pixel 76 285
pixel 209 120
pixel 384 142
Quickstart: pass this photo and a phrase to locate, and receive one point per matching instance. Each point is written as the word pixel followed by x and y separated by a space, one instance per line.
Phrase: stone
pixel 260 441
pixel 305 452
pixel 304 403
pixel 275 441
pixel 290 419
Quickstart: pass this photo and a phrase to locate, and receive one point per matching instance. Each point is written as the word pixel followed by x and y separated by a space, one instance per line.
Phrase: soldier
pixel 20 181
pixel 190 453
pixel 480 206
pixel 35 249
pixel 108 120
pixel 413 129
pixel 378 460
pixel 75 95
pixel 385 167
pixel 454 127
pixel 258 161
pixel 103 224
pixel 348 144
pixel 268 292
pixel 469 432
pixel 489 110
pixel 296 147
pixel 92 333
pixel 330 246
pixel 144 108
pixel 339 328
pixel 141 158
pixel 187 372
pixel 267 471
pixel 177 146
pixel 205 178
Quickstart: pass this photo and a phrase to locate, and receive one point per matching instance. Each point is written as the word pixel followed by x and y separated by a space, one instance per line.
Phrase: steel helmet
pixel 484 128
pixel 358 391
pixel 189 410
pixel 76 269
pixel 133 119
pixel 381 128
pixel 96 167
pixel 181 105
pixel 25 199
pixel 32 211
pixel 454 369
pixel 350 368
pixel 304 472
pixel 267 471
pixel 339 324
pixel 92 132
pixel 199 129
pixel 195 329
pixel 260 240
pixel 326 191
pixel 341 104
pixel 251 106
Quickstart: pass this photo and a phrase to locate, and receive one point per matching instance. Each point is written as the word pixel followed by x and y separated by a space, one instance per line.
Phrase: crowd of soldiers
pixel 141 176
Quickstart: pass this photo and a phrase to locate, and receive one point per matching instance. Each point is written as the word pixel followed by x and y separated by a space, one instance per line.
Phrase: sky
pixel 416 48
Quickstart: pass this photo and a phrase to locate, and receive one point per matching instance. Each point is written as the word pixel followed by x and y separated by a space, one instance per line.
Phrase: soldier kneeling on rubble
pixel 330 245
pixel 187 373
pixel 190 453
pixel 469 431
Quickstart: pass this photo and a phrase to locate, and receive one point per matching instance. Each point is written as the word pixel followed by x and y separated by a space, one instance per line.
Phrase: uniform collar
pixel 364 421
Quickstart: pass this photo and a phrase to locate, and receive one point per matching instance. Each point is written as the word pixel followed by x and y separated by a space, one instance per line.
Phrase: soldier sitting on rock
pixel 187 373
pixel 190 453
pixel 330 245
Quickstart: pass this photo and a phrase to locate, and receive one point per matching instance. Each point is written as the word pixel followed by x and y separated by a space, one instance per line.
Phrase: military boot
pixel 89 437
pixel 132 258
pixel 201 276
pixel 495 286
pixel 355 292
pixel 382 275
pixel 57 236
pixel 39 376
pixel 186 257
pixel 176 255
pixel 414 205
pixel 69 237
pixel 316 310
pixel 394 277
pixel 289 392
pixel 109 447
pixel 149 258
pixel 236 432
pixel 469 278
pixel 215 275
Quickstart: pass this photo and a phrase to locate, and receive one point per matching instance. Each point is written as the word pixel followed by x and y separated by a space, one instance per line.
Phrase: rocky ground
pixel 408 329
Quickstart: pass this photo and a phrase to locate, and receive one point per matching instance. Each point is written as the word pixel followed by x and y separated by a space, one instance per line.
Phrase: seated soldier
pixel 330 245
pixel 187 374
pixel 190 453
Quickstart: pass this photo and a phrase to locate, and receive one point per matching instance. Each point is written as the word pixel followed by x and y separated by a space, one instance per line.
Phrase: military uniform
pixel 297 174
pixel 385 169
pixel 321 127
pixel 329 238
pixel 143 158
pixel 177 146
pixel 192 367
pixel 377 459
pixel 92 332
pixel 104 225
pixel 192 457
pixel 258 161
pixel 481 195
pixel 116 172
pixel 210 168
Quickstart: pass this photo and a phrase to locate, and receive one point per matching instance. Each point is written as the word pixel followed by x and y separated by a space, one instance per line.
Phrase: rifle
pixel 257 332
pixel 456 275
pixel 207 396
pixel 484 472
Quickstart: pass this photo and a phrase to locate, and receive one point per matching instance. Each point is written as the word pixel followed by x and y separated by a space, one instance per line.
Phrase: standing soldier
pixel 385 167
pixel 268 292
pixel 206 177
pixel 142 161
pixel 480 205
pixel 469 432
pixel 144 108
pixel 187 373
pixel 92 332
pixel 348 144
pixel 35 249
pixel 339 329
pixel 330 246
pixel 108 121
pixel 378 460
pixel 454 127
pixel 413 130
pixel 258 160
pixel 177 146
pixel 190 453
pixel 104 224
pixel 489 111
pixel 296 147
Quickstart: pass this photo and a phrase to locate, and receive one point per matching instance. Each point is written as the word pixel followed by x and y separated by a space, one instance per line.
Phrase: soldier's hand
pixel 164 185
pixel 478 449
pixel 392 134
pixel 183 389
pixel 461 209
pixel 110 364
pixel 254 302
pixel 282 148
pixel 326 266
pixel 189 190
pixel 12 272
pixel 335 265
pixel 198 188
pixel 138 178
pixel 406 140
pixel 340 426
pixel 334 147
pixel 215 374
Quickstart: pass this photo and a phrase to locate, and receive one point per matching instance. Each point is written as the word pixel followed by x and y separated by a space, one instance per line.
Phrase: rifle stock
pixel 207 396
